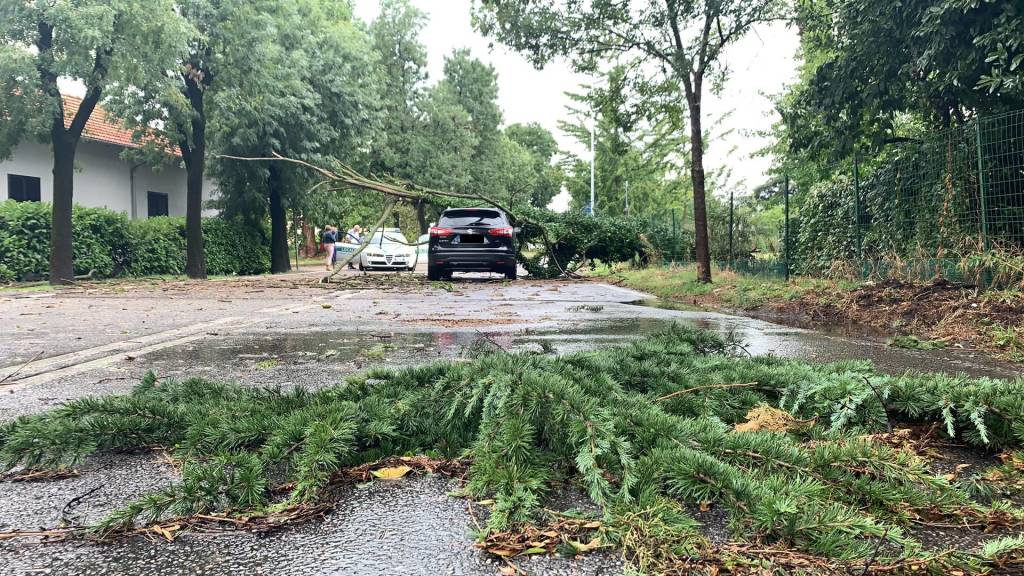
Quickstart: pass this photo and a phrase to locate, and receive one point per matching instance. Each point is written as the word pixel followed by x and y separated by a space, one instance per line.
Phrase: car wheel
pixel 512 273
pixel 434 273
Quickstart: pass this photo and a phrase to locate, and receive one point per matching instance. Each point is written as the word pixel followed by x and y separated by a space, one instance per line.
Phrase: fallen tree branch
pixel 20 368
pixel 709 387
pixel 349 177
pixel 362 246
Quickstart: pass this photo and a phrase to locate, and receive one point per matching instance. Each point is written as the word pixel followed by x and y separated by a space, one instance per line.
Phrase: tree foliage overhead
pixel 867 64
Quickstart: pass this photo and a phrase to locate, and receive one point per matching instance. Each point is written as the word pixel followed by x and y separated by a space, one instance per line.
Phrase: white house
pixel 102 177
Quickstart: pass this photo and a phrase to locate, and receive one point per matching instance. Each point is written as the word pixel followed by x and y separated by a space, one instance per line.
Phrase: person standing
pixel 329 238
pixel 354 236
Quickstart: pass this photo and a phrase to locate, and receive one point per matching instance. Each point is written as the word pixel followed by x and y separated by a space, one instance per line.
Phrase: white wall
pixel 103 179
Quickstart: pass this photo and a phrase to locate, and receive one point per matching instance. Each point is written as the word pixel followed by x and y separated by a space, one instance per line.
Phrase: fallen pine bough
pixel 802 462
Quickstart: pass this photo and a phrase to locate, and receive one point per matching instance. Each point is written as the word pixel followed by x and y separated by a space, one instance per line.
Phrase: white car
pixel 387 250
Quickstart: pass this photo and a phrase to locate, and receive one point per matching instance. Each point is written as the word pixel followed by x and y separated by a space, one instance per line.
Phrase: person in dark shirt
pixel 330 236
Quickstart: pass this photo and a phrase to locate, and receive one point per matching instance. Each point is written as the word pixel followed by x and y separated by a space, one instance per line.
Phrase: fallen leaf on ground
pixel 168 532
pixel 393 473
pixel 581 548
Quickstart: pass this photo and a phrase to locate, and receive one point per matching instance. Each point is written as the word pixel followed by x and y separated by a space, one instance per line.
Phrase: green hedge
pixel 110 244
pixel 576 237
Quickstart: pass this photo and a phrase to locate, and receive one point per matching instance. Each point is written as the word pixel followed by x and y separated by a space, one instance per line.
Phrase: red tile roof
pixel 101 127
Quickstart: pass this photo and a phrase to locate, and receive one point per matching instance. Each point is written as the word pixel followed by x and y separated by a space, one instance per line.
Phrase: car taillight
pixel 506 231
pixel 441 232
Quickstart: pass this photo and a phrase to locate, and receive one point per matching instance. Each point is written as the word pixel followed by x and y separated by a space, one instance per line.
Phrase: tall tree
pixel 312 97
pixel 638 159
pixel 542 147
pixel 103 44
pixel 181 106
pixel 403 62
pixel 474 86
pixel 670 41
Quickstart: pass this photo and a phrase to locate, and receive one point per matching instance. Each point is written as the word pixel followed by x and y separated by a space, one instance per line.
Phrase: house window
pixel 157 202
pixel 22 188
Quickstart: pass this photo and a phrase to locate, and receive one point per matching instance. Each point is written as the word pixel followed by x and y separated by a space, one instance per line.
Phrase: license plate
pixel 471 238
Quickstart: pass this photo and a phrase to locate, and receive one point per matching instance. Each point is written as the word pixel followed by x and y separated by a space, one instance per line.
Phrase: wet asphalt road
pixel 286 331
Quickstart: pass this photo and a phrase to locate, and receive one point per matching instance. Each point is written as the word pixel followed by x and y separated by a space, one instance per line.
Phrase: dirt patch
pixel 957 314
pixel 940 312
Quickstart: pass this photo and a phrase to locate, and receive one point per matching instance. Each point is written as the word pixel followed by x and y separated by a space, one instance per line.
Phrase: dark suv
pixel 471 240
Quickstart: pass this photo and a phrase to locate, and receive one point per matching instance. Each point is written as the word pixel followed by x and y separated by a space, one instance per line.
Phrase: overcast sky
pixel 761 64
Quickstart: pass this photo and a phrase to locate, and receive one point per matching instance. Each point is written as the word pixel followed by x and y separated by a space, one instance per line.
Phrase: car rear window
pixel 472 217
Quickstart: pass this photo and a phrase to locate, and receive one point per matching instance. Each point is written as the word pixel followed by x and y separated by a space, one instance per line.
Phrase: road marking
pixel 49 369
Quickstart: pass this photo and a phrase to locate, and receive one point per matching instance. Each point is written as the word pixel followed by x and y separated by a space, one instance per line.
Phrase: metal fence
pixel 937 206
pixel 948 204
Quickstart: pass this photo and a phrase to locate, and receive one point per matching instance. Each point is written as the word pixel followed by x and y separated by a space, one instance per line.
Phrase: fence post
pixel 981 184
pixel 785 234
pixel 731 253
pixel 856 206
pixel 675 236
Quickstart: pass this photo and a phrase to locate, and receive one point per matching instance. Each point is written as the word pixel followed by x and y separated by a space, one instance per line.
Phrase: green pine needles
pixel 645 429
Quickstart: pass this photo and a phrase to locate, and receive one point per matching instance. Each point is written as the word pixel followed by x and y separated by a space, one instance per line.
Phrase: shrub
pixel 575 237
pixel 24 239
pixel 109 244
pixel 157 246
pixel 100 240
pixel 234 248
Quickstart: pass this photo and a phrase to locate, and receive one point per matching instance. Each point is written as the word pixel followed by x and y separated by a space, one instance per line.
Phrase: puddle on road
pixel 321 358
pixel 835 343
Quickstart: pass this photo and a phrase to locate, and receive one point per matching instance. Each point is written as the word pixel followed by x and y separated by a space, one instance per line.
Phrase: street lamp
pixel 593 160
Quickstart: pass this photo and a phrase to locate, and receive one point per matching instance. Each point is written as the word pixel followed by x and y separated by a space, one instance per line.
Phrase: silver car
pixel 388 250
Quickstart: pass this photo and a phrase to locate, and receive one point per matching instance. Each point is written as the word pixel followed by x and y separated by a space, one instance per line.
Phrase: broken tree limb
pixel 399 190
pixel 709 387
pixel 362 246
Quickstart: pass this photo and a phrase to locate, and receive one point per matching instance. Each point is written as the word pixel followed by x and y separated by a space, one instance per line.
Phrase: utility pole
pixel 785 237
pixel 627 198
pixel 593 160
pixel 731 253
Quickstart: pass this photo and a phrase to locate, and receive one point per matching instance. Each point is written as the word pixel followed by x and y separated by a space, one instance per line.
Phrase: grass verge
pixel 797 455
pixel 939 312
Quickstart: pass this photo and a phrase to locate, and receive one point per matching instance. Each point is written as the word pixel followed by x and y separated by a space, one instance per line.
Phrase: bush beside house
pixel 110 244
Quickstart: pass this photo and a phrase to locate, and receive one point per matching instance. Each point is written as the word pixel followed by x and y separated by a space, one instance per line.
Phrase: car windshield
pixel 472 217
pixel 388 239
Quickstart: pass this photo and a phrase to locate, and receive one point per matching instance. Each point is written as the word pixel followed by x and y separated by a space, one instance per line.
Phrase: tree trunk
pixel 195 256
pixel 310 246
pixel 280 261
pixel 62 267
pixel 700 211
pixel 421 217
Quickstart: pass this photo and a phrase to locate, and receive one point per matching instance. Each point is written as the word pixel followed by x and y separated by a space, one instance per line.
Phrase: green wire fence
pixel 948 205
